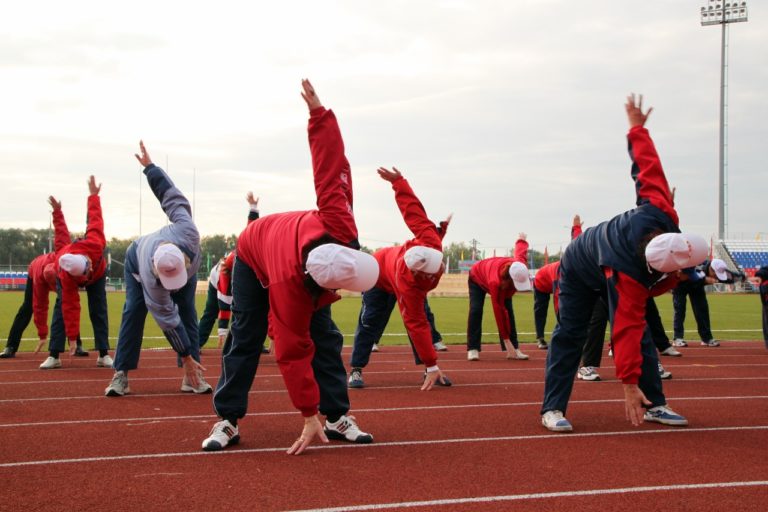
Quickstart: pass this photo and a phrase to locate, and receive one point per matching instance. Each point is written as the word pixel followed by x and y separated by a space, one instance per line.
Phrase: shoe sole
pixel 356 385
pixel 569 428
pixel 112 392
pixel 214 446
pixel 671 423
pixel 50 367
pixel 332 434
pixel 190 389
pixel 672 355
pixel 590 379
pixel 102 365
pixel 665 377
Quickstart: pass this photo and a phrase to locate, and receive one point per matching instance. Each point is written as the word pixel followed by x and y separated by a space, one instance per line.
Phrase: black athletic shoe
pixel 8 353
pixel 79 352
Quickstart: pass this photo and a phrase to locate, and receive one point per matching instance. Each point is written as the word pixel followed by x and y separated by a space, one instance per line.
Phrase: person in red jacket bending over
pixel 407 273
pixel 500 277
pixel 286 271
pixel 81 264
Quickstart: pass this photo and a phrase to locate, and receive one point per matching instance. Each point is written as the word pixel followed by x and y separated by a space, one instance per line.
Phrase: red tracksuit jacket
pixel 487 275
pixel 273 246
pixel 40 287
pixel 397 279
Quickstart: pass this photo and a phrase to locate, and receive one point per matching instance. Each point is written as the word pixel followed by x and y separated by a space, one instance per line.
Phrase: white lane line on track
pixel 369 389
pixel 418 372
pixel 396 444
pixel 539 495
pixel 367 410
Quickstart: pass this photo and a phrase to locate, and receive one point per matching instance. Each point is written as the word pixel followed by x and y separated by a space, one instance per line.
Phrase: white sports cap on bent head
pixel 170 267
pixel 720 269
pixel 670 252
pixel 520 277
pixel 423 259
pixel 74 264
pixel 334 266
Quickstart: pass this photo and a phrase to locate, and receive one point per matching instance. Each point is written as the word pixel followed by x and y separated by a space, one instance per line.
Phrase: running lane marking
pixel 562 437
pixel 540 495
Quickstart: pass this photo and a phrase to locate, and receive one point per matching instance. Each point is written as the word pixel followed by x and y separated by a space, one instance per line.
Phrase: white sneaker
pixel 710 343
pixel 588 373
pixel 51 363
pixel 664 374
pixel 346 429
pixel 440 346
pixel 202 386
pixel 671 351
pixel 375 347
pixel 610 352
pixel 118 386
pixel 556 422
pixel 517 354
pixel 679 342
pixel 473 355
pixel 104 362
pixel 222 435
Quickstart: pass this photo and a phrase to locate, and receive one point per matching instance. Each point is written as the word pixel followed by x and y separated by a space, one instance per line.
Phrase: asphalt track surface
pixel 476 446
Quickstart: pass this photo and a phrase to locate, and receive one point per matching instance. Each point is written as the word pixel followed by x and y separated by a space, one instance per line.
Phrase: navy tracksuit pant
pixel 96 293
pixel 699 305
pixel 475 320
pixel 242 350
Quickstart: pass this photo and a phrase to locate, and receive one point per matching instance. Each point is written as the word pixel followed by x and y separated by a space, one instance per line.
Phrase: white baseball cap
pixel 520 277
pixel 335 266
pixel 720 269
pixel 74 264
pixel 423 259
pixel 170 266
pixel 670 252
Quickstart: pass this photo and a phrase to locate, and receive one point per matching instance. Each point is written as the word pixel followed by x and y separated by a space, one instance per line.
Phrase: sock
pixel 103 353
pixel 54 354
pixel 333 418
pixel 233 421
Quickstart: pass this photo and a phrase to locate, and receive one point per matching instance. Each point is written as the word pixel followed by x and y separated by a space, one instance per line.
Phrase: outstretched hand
pixel 309 95
pixel 634 109
pixel 251 200
pixel 56 205
pixel 431 378
pixel 92 187
pixel 577 220
pixel 312 428
pixel 634 399
pixel 522 236
pixel 390 176
pixel 143 158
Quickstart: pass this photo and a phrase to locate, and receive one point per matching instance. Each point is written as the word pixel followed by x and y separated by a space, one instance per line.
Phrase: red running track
pixel 476 446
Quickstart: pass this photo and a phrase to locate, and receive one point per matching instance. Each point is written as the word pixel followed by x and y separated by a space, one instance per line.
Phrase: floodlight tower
pixel 720 12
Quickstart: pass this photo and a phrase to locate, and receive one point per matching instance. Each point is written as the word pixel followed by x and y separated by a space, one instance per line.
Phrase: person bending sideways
pixel 406 273
pixel 81 264
pixel 500 277
pixel 625 260
pixel 41 280
pixel 161 278
pixel 287 270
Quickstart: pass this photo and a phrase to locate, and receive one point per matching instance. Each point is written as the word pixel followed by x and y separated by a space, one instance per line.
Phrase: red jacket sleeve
pixel 290 314
pixel 410 300
pixel 415 216
pixel 575 232
pixel 60 231
pixel 500 313
pixel 521 251
pixel 627 327
pixel 40 292
pixel 70 305
pixel 332 175
pixel 650 182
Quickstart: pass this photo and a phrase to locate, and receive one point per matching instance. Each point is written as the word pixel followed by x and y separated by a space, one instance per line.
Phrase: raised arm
pixel 332 175
pixel 60 231
pixel 576 228
pixel 650 182
pixel 413 212
pixel 94 231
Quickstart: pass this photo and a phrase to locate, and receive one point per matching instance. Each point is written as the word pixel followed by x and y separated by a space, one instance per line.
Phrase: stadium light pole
pixel 720 12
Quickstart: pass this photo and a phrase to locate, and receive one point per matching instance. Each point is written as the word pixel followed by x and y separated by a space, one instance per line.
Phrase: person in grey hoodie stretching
pixel 161 277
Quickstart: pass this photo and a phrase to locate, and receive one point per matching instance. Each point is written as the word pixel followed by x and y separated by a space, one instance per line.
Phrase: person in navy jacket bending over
pixel 287 270
pixel 635 255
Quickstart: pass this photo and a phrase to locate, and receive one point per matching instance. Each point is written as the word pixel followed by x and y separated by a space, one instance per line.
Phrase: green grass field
pixel 734 317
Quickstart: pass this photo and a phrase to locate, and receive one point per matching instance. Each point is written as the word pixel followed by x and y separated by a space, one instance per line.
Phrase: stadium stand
pixel 13 280
pixel 748 255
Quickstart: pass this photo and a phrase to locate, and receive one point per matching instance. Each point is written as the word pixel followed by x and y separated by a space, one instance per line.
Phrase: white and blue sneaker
pixel 356 378
pixel 346 429
pixel 666 416
pixel 222 435
pixel 664 374
pixel 556 422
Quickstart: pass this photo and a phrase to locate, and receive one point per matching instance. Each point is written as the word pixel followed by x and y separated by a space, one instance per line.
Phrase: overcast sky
pixel 507 113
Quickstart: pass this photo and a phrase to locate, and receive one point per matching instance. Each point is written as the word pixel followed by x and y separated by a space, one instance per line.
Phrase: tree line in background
pixel 18 247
